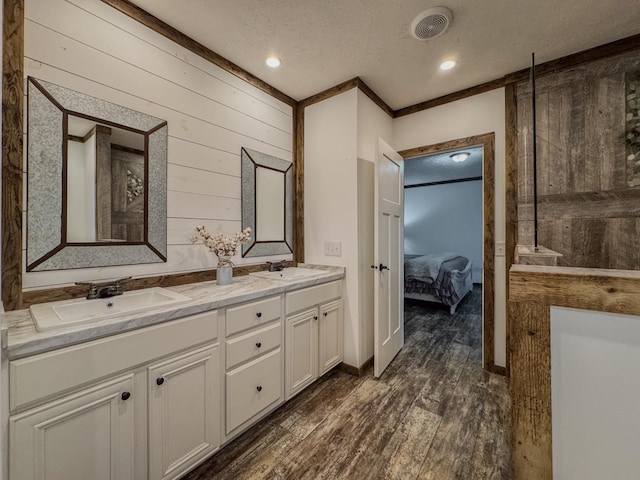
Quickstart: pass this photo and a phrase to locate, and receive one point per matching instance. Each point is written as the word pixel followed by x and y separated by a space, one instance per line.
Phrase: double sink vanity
pixel 152 384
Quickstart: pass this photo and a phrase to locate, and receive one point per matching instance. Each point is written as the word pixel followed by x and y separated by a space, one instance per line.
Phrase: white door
pixel 330 326
pixel 87 435
pixel 183 411
pixel 388 248
pixel 301 352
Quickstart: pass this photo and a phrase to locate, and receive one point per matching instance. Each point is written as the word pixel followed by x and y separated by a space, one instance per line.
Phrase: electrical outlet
pixel 333 249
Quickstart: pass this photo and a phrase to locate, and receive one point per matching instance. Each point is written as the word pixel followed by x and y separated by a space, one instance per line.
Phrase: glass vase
pixel 224 271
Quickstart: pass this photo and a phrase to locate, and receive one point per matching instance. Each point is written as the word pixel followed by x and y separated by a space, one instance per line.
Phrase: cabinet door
pixel 301 351
pixel 183 411
pixel 330 336
pixel 87 435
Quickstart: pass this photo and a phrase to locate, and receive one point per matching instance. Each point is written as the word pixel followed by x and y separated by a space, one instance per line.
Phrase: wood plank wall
pixel 588 203
pixel 88 46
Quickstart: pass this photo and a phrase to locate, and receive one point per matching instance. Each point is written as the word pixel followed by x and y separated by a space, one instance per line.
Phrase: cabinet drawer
pixel 252 314
pixel 43 375
pixel 252 388
pixel 253 344
pixel 308 297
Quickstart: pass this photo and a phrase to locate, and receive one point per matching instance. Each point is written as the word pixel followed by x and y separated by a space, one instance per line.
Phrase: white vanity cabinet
pixel 83 412
pixel 184 411
pixel 86 435
pixel 314 334
pixel 254 364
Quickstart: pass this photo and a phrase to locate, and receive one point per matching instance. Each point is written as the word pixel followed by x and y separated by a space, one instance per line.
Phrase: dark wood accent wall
pixel 12 151
pixel 533 290
pixel 487 141
pixel 588 184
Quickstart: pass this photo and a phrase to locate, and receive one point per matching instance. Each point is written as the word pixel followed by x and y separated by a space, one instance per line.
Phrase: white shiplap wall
pixel 87 46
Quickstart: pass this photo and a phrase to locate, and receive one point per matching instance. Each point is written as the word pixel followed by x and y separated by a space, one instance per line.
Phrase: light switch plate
pixel 333 249
pixel 500 248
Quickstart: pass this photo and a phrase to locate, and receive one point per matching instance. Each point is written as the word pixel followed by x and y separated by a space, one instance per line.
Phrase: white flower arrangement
pixel 223 246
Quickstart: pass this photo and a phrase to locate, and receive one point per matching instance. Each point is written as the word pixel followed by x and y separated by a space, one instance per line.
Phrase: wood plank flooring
pixel 434 414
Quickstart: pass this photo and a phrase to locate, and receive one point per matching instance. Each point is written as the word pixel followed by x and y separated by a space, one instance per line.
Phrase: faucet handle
pixel 93 289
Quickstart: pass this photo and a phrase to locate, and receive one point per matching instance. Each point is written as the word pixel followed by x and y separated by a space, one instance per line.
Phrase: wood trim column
pixel 298 175
pixel 12 151
pixel 511 191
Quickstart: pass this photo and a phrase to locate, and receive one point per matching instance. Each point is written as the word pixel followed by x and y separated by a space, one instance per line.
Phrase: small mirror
pixel 267 204
pixel 96 182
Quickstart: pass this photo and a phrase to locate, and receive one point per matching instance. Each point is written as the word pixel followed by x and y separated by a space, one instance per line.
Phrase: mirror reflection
pixel 105 183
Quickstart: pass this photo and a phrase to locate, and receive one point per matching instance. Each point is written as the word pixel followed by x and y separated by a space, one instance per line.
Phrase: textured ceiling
pixel 439 167
pixel 323 43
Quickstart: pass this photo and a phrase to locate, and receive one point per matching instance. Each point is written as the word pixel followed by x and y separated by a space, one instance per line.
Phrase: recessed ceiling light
pixel 459 156
pixel 273 62
pixel 448 65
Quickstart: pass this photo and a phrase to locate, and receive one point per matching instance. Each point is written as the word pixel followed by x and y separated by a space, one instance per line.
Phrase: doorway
pixel 485 144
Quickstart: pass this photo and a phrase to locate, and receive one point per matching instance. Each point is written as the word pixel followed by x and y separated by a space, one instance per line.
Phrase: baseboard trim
pixel 357 371
pixel 497 369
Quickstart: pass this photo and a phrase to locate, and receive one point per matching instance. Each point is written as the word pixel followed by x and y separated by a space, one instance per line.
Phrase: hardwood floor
pixel 434 414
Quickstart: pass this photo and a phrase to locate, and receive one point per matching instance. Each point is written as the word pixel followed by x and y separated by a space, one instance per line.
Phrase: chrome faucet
pixel 276 266
pixel 105 289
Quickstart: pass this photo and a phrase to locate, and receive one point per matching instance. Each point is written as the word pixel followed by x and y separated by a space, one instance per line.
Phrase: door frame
pixel 487 141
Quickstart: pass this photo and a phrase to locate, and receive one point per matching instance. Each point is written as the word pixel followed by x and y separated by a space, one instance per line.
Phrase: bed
pixel 438 277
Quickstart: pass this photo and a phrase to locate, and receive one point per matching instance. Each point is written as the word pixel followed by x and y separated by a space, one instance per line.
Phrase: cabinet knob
pixel 259 388
pixel 125 395
pixel 325 313
pixel 159 381
pixel 315 317
pixel 259 344
pixel 259 314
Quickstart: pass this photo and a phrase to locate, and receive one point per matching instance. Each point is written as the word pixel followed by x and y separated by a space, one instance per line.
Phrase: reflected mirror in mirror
pixel 96 182
pixel 105 183
pixel 267 203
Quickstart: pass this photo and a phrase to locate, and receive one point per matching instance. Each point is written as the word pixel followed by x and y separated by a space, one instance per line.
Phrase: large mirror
pixel 267 204
pixel 96 182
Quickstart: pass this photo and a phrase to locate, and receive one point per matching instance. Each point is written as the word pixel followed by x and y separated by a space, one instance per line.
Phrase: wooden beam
pixel 12 151
pixel 298 176
pixel 329 92
pixel 511 189
pixel 374 96
pixel 166 30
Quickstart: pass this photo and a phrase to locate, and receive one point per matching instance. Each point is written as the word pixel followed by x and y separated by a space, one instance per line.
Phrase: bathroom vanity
pixel 151 394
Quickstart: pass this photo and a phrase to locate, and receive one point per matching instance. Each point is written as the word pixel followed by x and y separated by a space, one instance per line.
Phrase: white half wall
pixel 471 116
pixel 594 394
pixel 90 47
pixel 445 218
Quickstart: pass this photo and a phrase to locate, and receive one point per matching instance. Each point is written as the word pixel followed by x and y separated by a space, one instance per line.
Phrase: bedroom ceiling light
pixel 448 65
pixel 273 62
pixel 459 157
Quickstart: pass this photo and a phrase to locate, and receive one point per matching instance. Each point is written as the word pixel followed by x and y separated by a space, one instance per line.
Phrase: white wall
pixel 330 198
pixel 595 392
pixel 340 133
pixel 87 46
pixel 373 123
pixel 445 218
pixel 475 115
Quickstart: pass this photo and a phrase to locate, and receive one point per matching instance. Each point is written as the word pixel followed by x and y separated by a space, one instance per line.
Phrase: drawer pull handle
pixel 259 314
pixel 159 381
pixel 259 388
pixel 125 396
pixel 259 344
pixel 325 313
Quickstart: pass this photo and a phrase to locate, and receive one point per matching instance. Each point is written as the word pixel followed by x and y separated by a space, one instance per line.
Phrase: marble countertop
pixel 23 339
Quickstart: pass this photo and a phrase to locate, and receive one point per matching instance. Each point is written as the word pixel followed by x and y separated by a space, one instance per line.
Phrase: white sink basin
pixel 50 316
pixel 291 273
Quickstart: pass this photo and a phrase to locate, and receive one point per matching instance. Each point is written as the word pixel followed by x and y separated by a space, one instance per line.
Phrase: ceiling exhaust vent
pixel 431 23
